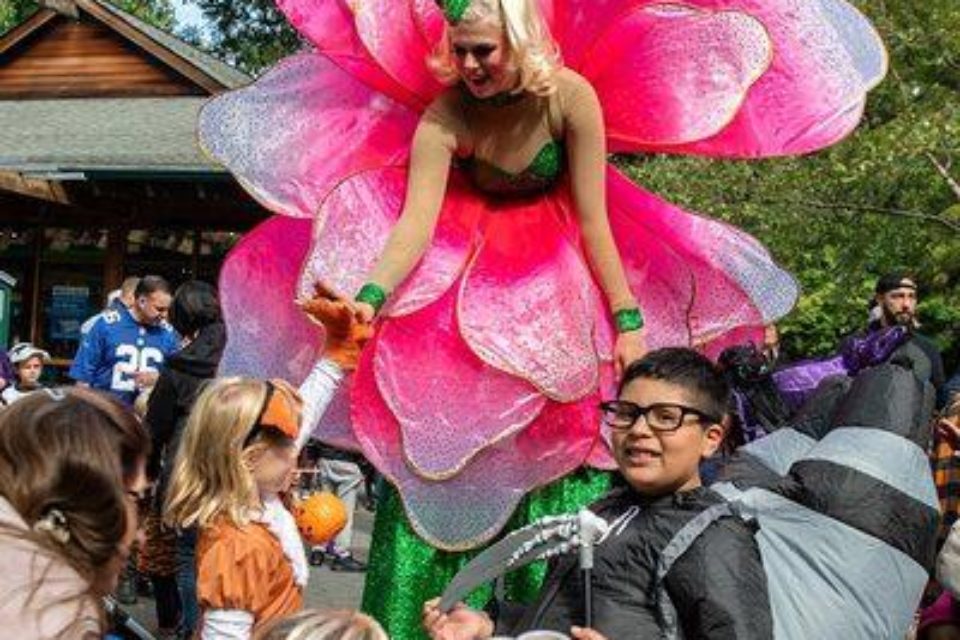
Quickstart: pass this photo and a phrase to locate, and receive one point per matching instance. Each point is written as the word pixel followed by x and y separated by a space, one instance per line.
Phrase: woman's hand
pixel 345 333
pixel 462 623
pixel 630 346
pixel 364 312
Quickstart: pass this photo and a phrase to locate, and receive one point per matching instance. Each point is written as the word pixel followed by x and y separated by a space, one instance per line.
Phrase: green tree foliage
pixel 250 34
pixel 156 12
pixel 887 197
pixel 13 12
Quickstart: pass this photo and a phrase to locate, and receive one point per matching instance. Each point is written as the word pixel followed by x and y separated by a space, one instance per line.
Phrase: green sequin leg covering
pixel 404 571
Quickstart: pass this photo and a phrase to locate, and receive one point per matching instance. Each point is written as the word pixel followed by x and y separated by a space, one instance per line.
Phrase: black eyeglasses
pixel 621 415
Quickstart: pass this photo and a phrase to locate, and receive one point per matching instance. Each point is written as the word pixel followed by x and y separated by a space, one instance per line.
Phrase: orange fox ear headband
pixel 280 411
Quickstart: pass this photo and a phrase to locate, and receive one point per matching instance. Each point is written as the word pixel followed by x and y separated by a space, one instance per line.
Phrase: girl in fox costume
pixel 448 166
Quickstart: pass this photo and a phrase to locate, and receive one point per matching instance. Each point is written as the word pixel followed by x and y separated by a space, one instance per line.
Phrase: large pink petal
pixel 335 426
pixel 328 24
pixel 392 35
pixel 527 303
pixel 700 282
pixel 300 129
pixel 578 25
pixel 469 509
pixel 352 228
pixel 267 335
pixel 826 56
pixel 691 67
pixel 423 367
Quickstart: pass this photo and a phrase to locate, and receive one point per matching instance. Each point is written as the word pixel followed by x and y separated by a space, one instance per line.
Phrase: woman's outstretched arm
pixel 434 144
pixel 587 154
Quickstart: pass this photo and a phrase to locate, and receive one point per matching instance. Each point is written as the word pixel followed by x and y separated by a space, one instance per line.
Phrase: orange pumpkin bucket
pixel 320 517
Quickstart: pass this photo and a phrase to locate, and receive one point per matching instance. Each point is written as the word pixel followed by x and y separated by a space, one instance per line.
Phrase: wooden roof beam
pixel 145 43
pixel 25 29
pixel 48 190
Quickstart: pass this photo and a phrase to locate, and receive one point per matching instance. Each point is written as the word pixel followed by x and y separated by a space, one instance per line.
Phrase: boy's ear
pixel 713 437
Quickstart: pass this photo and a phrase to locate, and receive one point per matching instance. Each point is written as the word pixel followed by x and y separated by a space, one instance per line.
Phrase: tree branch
pixel 945 172
pixel 845 206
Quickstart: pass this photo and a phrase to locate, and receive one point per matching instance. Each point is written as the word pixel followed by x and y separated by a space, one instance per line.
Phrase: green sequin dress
pixel 405 571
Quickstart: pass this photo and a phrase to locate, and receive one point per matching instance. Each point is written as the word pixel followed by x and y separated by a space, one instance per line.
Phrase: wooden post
pixel 115 259
pixel 35 287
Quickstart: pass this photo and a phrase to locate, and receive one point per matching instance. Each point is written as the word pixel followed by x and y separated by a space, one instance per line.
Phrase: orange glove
pixel 346 334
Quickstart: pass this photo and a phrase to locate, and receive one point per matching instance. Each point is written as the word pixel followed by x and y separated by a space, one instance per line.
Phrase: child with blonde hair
pixel 237 455
pixel 324 625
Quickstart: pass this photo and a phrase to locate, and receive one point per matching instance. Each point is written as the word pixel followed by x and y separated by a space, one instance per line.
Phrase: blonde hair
pixel 323 625
pixel 211 475
pixel 533 51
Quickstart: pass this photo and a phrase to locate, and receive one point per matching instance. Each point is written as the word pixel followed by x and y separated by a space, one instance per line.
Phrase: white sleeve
pixel 226 624
pixel 282 525
pixel 317 392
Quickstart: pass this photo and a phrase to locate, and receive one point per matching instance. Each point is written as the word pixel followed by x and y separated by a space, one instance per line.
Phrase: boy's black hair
pixel 686 368
pixel 195 306
pixel 150 284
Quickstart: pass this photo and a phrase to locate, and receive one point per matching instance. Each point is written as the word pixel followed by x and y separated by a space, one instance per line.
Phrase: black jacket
pixel 170 403
pixel 718 586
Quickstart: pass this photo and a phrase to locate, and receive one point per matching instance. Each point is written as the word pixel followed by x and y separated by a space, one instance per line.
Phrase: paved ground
pixel 327 589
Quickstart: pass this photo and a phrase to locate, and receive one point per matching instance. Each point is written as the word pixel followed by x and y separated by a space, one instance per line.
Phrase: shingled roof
pixel 90 131
pixel 108 134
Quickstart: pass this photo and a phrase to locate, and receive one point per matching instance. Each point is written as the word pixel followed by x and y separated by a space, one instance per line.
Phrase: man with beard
pixel 896 304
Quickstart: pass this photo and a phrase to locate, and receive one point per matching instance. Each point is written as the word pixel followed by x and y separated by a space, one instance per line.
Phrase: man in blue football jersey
pixel 124 350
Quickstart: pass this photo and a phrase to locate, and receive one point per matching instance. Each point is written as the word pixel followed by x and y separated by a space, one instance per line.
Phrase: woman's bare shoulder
pixel 569 82
pixel 574 93
pixel 446 109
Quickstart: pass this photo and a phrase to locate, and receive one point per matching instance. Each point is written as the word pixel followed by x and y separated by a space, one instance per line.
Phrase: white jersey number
pixel 131 360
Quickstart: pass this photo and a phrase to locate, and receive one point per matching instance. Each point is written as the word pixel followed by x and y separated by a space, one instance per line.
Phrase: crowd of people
pixel 719 491
pixel 150 447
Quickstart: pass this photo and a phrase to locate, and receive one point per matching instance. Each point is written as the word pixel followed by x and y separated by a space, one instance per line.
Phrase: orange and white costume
pixel 248 575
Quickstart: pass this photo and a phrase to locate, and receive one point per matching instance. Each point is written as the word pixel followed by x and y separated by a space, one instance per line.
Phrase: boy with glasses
pixel 669 415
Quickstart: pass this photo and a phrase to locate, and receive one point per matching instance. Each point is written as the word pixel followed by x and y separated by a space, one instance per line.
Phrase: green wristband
pixel 373 294
pixel 628 320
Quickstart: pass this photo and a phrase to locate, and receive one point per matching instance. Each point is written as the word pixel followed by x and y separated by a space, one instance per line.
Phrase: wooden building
pixel 100 172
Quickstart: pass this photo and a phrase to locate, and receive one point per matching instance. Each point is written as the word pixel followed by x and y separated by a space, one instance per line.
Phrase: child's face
pixel 29 371
pixel 273 468
pixel 660 462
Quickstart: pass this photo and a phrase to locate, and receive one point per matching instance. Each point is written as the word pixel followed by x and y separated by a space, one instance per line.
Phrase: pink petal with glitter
pixel 393 37
pixel 470 508
pixel 304 126
pixel 335 427
pixel 328 25
pixel 527 303
pixel 700 282
pixel 693 69
pixel 827 56
pixel 354 223
pixel 267 335
pixel 577 25
pixel 423 368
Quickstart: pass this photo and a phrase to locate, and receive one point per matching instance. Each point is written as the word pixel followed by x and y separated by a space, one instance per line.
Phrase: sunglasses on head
pixel 280 411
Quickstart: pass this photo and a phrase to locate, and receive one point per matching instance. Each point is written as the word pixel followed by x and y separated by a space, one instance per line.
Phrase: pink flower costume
pixel 482 380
